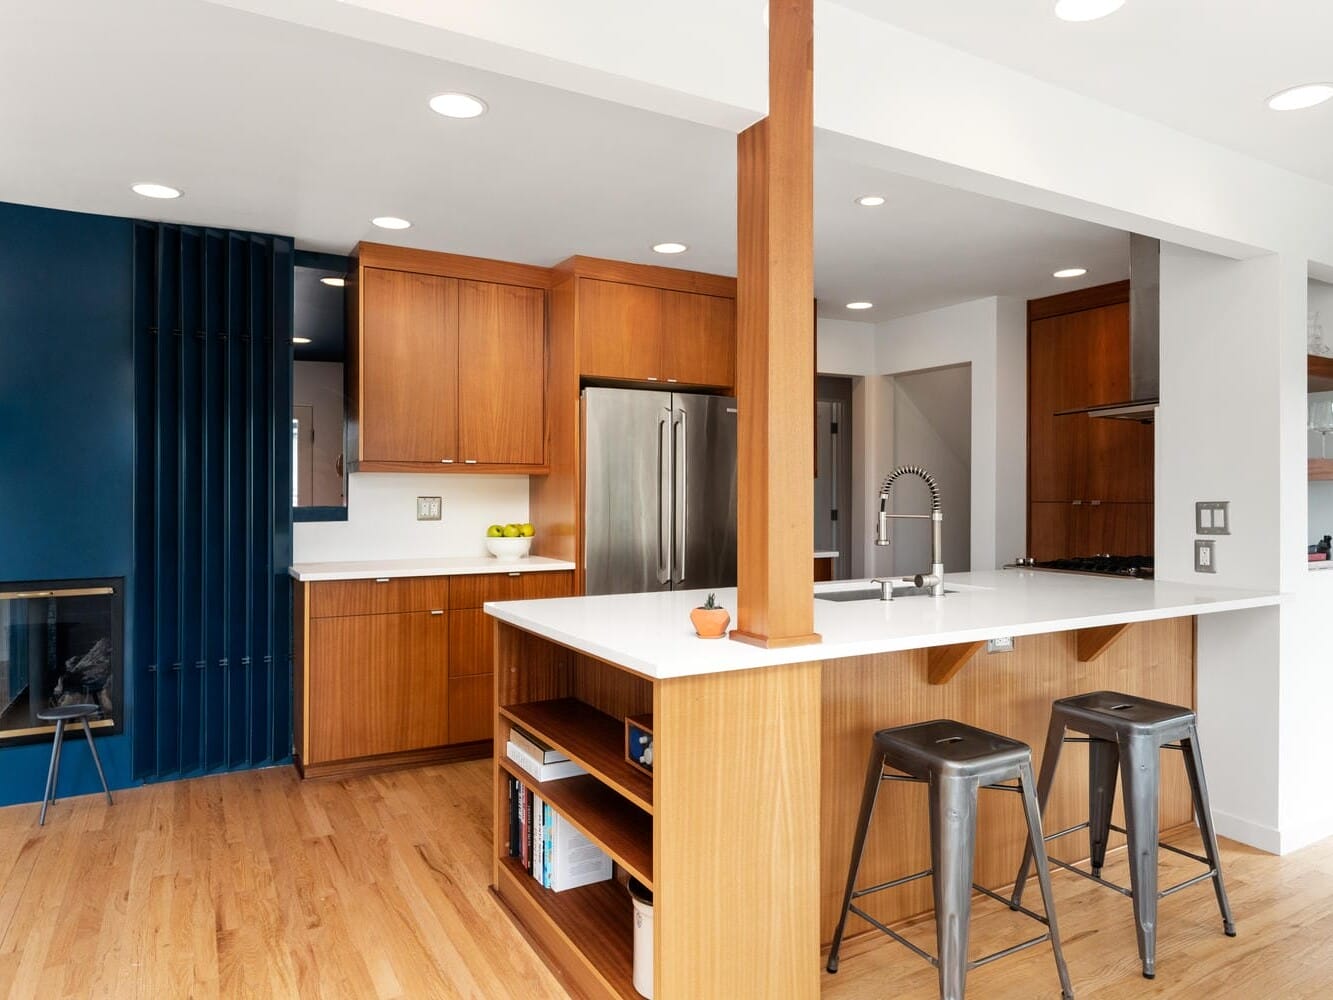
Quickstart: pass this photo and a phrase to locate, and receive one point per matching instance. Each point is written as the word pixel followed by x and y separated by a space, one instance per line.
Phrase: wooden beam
pixel 944 662
pixel 776 344
pixel 1093 642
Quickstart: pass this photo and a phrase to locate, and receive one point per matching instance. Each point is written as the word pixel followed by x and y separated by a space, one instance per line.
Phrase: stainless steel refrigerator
pixel 659 491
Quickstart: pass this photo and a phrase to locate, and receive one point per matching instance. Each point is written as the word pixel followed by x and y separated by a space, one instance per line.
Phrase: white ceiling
pixel 270 126
pixel 1204 67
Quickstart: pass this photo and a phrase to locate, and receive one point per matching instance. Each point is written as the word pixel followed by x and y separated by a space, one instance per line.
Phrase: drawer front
pixel 344 598
pixel 474 591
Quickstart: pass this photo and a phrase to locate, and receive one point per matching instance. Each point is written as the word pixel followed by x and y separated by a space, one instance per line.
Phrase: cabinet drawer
pixel 342 598
pixel 474 591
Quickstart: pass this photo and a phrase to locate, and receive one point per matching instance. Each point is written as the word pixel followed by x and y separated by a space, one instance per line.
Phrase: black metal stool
pixel 1126 732
pixel 956 760
pixel 60 716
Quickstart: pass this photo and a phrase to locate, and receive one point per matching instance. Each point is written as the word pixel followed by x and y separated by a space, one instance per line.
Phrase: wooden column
pixel 776 344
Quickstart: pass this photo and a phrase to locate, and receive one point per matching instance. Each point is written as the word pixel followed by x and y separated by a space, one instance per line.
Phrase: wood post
pixel 776 344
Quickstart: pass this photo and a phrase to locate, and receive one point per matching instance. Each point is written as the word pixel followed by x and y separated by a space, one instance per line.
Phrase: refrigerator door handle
pixel 664 498
pixel 682 464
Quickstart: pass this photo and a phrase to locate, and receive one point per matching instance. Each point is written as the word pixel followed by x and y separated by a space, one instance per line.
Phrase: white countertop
pixel 453 566
pixel 651 633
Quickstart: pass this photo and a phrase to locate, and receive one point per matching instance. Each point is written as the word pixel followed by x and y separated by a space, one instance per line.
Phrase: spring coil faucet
pixel 935 578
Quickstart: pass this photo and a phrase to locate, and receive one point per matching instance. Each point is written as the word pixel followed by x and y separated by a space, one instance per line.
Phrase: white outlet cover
pixel 1205 556
pixel 429 508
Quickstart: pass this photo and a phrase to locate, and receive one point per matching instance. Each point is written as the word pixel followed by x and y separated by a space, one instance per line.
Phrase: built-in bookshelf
pixel 576 705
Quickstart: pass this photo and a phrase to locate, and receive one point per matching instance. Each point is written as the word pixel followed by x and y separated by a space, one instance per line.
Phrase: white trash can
pixel 643 937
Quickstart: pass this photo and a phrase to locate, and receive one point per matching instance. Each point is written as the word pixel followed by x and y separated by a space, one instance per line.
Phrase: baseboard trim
pixel 1256 835
pixel 394 761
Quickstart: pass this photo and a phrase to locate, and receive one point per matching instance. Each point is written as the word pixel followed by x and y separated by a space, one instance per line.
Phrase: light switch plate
pixel 1205 556
pixel 428 508
pixel 1212 517
pixel 1001 644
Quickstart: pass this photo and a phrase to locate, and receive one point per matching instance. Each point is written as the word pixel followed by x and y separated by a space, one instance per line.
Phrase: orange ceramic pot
pixel 710 623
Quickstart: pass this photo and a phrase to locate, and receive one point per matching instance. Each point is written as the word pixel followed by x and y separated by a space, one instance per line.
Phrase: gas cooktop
pixel 1102 564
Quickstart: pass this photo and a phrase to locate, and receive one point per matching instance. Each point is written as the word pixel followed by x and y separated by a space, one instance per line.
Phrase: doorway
pixel 833 473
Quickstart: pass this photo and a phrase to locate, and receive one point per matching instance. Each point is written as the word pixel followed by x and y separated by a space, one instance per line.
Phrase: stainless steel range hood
pixel 1144 332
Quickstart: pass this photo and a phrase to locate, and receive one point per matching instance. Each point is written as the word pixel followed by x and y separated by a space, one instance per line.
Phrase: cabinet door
pixel 408 367
pixel 698 339
pixel 1051 530
pixel 619 330
pixel 471 708
pixel 501 374
pixel 1120 529
pixel 471 642
pixel 1057 375
pixel 378 684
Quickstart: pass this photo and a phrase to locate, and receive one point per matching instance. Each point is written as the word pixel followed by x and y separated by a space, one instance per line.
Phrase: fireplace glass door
pixel 60 644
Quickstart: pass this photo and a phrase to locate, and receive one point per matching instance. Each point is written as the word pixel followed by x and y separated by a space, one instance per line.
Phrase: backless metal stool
pixel 1126 732
pixel 60 716
pixel 956 760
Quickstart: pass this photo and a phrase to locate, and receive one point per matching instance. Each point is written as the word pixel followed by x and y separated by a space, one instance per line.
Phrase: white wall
pixel 381 517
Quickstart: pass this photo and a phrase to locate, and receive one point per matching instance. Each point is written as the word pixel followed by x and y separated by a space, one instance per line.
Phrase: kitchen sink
pixel 872 594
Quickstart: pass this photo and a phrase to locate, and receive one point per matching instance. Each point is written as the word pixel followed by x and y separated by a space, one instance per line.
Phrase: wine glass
pixel 1321 420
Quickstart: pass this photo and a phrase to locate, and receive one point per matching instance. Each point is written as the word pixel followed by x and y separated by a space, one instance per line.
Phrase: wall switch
pixel 1212 517
pixel 1002 644
pixel 1205 559
pixel 428 508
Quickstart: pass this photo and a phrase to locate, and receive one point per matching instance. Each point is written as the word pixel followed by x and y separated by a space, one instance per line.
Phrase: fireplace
pixel 61 643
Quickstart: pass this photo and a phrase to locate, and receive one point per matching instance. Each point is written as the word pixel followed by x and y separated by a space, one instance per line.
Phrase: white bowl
pixel 509 549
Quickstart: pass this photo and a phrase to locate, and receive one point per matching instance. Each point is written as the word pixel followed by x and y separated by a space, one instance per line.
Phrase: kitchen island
pixel 743 828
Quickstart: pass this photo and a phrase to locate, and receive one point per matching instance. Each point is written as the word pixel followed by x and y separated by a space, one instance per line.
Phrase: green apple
pixel 495 531
pixel 511 531
pixel 527 530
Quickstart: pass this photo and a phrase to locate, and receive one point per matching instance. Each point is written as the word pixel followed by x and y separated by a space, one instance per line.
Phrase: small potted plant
pixel 710 619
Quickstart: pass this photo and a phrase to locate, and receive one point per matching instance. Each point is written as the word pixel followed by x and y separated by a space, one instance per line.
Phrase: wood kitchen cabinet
pixel 634 332
pixel 1100 470
pixel 447 363
pixel 399 671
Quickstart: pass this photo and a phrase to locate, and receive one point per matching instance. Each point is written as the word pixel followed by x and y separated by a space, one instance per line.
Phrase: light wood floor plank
pixel 259 885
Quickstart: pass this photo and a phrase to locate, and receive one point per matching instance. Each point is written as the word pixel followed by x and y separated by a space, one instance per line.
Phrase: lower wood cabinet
pixel 399 671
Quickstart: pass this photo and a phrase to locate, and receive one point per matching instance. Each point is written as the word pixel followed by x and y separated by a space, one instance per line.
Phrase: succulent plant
pixel 710 604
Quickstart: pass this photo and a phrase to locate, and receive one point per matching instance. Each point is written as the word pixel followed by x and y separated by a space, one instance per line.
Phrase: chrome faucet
pixel 935 578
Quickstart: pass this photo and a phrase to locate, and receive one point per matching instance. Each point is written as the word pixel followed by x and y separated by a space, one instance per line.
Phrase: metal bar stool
pixel 60 716
pixel 956 760
pixel 1124 732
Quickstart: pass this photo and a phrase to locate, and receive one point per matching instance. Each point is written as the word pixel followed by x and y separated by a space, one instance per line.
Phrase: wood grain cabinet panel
pixel 474 591
pixel 698 339
pixel 341 598
pixel 471 715
pixel 408 367
pixel 1059 529
pixel 501 374
pixel 619 330
pixel 471 643
pixel 377 684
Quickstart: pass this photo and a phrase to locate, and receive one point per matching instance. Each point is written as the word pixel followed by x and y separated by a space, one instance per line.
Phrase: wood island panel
pixel 1008 693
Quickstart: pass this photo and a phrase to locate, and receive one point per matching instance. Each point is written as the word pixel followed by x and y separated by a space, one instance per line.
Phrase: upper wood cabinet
pixel 447 363
pixel 634 332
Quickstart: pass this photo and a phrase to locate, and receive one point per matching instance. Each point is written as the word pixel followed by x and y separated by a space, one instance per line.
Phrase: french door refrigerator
pixel 659 491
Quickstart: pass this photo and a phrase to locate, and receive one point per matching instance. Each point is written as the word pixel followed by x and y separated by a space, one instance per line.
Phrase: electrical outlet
pixel 1212 517
pixel 428 508
pixel 1000 644
pixel 1205 558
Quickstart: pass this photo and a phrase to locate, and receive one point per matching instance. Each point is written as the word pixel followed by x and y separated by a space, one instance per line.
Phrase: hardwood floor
pixel 258 885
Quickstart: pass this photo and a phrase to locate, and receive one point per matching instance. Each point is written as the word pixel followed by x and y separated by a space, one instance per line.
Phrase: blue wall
pixel 66 437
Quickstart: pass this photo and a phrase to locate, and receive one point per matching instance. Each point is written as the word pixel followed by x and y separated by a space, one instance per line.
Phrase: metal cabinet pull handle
pixel 469 461
pixel 447 461
pixel 434 612
pixel 381 579
pixel 515 573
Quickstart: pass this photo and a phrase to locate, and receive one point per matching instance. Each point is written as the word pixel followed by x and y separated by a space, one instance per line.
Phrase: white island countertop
pixel 651 633
pixel 376 569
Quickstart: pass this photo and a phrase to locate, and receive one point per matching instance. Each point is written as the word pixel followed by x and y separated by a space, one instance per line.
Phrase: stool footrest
pixel 1210 873
pixel 892 885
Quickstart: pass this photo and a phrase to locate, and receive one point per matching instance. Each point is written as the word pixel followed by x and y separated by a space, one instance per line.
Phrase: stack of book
pixel 541 761
pixel 550 849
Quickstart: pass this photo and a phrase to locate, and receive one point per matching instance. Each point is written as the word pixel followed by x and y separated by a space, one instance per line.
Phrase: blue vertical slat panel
pixel 214 544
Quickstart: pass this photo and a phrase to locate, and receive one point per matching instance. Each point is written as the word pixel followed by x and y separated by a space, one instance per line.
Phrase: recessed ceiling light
pixel 300 340
pixel 155 190
pixel 1086 10
pixel 860 305
pixel 333 282
pixel 1307 95
pixel 870 200
pixel 669 248
pixel 453 105
pixel 1070 272
pixel 390 222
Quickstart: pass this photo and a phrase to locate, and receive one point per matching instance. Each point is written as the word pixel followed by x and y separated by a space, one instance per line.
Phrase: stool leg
pixel 1139 771
pixel 1038 848
pixel 1103 763
pixel 59 751
pixel 51 770
pixel 88 732
pixel 874 771
pixel 1204 815
pixel 953 833
pixel 1055 740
